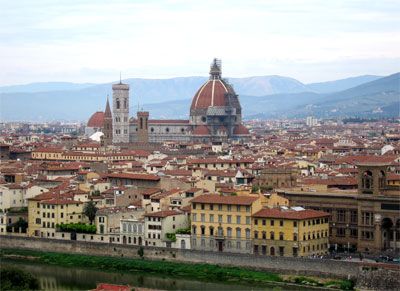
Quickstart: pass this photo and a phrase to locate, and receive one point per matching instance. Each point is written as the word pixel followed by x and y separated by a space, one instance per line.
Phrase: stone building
pixel 215 116
pixel 274 177
pixel 367 220
pixel 120 113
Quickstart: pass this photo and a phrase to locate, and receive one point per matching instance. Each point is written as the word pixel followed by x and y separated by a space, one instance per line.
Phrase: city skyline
pixel 305 40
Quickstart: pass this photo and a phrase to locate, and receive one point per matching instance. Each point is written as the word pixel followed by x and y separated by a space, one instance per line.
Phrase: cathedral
pixel 215 116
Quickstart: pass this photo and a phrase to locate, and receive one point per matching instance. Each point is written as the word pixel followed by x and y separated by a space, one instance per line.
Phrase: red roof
pixel 212 93
pixel 240 129
pixel 201 130
pixel 164 213
pixel 96 120
pixel 290 214
pixel 134 176
pixel 219 199
pixel 112 287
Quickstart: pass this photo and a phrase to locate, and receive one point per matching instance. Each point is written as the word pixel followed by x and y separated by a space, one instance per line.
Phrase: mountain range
pixel 260 96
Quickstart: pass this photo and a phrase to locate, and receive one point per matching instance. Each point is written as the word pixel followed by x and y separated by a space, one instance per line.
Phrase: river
pixel 67 278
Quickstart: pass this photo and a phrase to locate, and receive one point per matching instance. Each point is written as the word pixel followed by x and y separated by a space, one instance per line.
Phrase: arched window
pixel 125 103
pixel 118 104
pixel 247 233
pixel 367 180
pixel 229 232
pixel 272 235
pixel 183 244
pixel 272 251
pixel 194 229
pixel 211 230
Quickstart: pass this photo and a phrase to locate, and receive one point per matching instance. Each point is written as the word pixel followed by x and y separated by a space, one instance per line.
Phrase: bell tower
pixel 120 113
pixel 372 178
pixel 142 126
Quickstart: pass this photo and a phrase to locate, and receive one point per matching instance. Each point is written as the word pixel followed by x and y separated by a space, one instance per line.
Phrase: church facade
pixel 215 116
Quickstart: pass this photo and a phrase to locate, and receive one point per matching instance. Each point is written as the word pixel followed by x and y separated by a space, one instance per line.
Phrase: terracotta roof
pixel 134 176
pixel 290 214
pixel 201 130
pixel 240 129
pixel 212 93
pixel 96 120
pixel 168 121
pixel 164 213
pixel 219 199
pixel 56 201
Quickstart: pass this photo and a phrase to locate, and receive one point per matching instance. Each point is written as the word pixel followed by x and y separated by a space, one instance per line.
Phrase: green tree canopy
pixel 90 211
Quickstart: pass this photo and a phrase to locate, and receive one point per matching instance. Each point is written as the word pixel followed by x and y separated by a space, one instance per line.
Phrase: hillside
pixel 342 84
pixel 170 98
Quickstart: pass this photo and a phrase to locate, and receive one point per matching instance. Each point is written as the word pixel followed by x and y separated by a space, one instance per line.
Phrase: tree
pixel 90 211
pixel 141 252
pixel 16 279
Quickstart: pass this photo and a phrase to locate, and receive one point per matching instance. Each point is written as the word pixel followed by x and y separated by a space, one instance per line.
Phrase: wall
pixel 278 264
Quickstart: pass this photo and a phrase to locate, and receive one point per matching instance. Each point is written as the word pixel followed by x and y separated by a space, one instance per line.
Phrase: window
pixel 202 206
pixel 272 222
pixel 194 228
pixel 238 232
pixel 203 217
pixel 248 219
pixel 238 246
pixel 367 218
pixel 255 222
pixel 295 236
pixel 194 217
pixel 220 218
pixel 229 219
pixel 264 235
pixel 229 232
pixel 247 233
pixel 203 230
pixel 294 223
pixel 211 231
pixel 238 208
pixel 341 215
pixel 367 235
pixel 229 207
pixel 340 231
pixel 281 223
pixel 211 207
pixel 219 207
pixel 238 219
pixel 211 217
pixel 353 216
pixel 281 251
pixel 194 205
pixel 247 208
pixel 263 222
pixel 272 235
pixel 353 232
pixel 281 236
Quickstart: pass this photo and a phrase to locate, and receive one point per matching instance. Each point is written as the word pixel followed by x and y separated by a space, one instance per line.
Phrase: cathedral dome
pixel 96 120
pixel 213 92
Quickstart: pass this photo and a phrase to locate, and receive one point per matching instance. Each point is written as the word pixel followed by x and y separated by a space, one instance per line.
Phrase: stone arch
pixel 183 244
pixel 387 232
pixel 367 180
pixel 272 251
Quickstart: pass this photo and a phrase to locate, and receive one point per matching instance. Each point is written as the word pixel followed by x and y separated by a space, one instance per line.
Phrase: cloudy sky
pixel 92 41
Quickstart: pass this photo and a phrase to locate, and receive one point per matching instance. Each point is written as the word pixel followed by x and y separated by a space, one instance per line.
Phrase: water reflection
pixel 70 278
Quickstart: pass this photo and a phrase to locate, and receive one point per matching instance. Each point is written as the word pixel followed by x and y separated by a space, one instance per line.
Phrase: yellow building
pixel 290 232
pixel 45 211
pixel 223 223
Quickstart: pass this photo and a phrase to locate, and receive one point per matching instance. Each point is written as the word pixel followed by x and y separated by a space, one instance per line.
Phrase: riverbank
pixel 199 271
